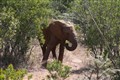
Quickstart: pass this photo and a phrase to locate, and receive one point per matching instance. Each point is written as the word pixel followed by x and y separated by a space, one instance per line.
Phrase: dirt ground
pixel 79 60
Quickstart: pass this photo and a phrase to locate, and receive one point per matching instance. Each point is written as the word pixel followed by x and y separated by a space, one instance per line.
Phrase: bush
pixel 99 24
pixel 57 70
pixel 19 22
pixel 11 74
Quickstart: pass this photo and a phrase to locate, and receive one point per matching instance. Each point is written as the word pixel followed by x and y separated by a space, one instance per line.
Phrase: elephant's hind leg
pixel 43 47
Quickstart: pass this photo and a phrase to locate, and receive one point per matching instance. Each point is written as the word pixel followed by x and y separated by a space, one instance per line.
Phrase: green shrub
pixel 61 70
pixel 11 74
pixel 20 21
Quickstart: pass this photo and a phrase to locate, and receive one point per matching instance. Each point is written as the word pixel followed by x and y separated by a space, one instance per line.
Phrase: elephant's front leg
pixel 49 47
pixel 61 51
pixel 54 52
pixel 54 49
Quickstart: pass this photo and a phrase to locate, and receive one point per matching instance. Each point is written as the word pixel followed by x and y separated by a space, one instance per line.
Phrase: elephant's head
pixel 64 31
pixel 70 34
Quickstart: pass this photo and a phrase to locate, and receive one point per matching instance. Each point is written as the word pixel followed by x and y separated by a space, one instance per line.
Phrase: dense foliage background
pixel 97 21
pixel 19 22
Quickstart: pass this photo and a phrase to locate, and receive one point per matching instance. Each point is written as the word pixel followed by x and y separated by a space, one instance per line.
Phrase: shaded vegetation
pixel 19 22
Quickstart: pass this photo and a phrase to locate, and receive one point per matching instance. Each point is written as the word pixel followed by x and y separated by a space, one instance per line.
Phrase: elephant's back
pixel 56 29
pixel 63 22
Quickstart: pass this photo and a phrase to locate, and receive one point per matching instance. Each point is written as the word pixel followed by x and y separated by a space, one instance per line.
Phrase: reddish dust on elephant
pixel 56 33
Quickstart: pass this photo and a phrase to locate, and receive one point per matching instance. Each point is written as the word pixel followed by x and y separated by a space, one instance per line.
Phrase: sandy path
pixel 78 60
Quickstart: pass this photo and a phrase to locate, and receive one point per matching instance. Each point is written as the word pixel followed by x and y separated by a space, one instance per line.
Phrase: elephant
pixel 57 32
pixel 47 36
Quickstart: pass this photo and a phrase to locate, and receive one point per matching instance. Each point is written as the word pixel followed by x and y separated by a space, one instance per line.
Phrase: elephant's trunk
pixel 74 44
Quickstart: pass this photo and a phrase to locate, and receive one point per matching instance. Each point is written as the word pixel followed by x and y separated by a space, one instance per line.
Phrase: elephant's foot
pixel 44 64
